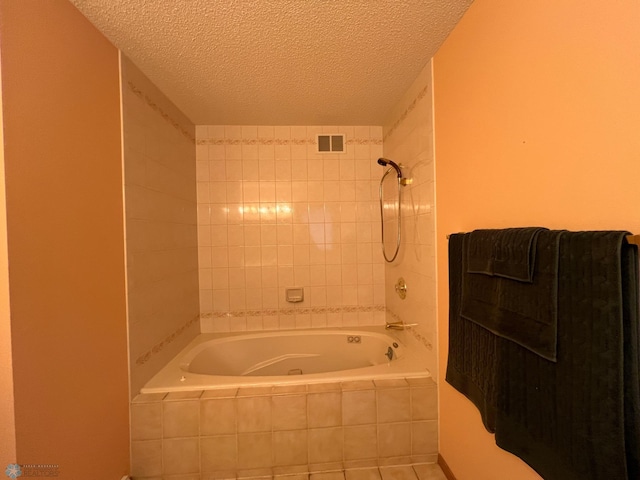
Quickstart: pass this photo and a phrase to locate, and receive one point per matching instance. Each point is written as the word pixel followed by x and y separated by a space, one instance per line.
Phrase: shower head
pixel 385 161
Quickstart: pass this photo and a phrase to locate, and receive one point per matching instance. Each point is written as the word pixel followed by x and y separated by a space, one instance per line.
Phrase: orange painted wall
pixel 63 166
pixel 537 122
pixel 7 417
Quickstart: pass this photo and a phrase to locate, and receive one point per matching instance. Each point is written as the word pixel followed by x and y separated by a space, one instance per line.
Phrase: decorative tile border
pixel 293 311
pixel 167 118
pixel 280 141
pixel 421 338
pixel 421 94
pixel 364 141
pixel 142 359
pixel 394 316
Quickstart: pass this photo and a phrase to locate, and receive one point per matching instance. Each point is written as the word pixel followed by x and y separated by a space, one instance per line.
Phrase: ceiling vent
pixel 331 143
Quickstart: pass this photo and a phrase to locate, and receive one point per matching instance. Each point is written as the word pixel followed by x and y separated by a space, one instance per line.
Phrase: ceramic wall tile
pixel 271 182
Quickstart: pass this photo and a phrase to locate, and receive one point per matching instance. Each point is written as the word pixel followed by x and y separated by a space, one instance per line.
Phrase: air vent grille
pixel 331 143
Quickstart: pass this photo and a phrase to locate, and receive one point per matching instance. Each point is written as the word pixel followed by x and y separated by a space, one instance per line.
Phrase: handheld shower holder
pixel 402 182
pixel 386 162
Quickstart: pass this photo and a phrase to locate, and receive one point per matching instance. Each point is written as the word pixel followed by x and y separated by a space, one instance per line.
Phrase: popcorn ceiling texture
pixel 279 62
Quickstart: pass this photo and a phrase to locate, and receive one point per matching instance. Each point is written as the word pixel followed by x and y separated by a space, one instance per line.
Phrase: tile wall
pixel 264 431
pixel 408 139
pixel 273 213
pixel 161 231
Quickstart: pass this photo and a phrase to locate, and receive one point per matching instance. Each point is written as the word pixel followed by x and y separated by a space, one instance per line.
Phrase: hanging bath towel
pixel 471 368
pixel 579 418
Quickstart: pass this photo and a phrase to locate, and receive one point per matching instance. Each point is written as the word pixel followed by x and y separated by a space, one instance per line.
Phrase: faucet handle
pixel 401 288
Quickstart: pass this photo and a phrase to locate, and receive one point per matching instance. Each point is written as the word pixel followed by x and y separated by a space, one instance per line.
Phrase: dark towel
pixel 508 252
pixel 578 418
pixel 471 367
pixel 631 358
pixel 525 313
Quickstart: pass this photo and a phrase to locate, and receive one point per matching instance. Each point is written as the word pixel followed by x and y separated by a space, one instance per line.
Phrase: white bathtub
pixel 289 357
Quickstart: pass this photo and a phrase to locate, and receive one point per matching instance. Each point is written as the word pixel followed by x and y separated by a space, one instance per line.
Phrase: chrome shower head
pixel 385 161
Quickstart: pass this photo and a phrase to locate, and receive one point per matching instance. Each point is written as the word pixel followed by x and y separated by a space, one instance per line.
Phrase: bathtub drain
pixel 295 371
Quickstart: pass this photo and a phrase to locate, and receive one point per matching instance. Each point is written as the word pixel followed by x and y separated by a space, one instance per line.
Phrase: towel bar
pixel 632 239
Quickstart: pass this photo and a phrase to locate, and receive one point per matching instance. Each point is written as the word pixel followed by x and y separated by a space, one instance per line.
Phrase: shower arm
pixel 385 161
pixel 404 181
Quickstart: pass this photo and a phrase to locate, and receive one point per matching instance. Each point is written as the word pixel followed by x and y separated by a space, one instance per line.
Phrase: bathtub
pixel 291 357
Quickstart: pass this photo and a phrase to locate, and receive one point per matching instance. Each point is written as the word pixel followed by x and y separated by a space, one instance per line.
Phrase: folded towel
pixel 508 253
pixel 579 418
pixel 525 313
pixel 471 367
pixel 479 251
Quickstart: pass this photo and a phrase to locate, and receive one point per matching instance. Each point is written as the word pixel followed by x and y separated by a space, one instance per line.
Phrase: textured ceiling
pixel 279 62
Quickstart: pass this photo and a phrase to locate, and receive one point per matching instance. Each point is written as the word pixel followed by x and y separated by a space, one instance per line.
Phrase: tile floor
pixel 405 472
pixel 421 471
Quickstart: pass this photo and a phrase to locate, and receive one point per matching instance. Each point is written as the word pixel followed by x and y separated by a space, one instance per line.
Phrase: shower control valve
pixel 401 288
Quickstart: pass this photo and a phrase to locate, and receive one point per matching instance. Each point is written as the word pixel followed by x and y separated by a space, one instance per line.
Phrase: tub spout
pixel 399 325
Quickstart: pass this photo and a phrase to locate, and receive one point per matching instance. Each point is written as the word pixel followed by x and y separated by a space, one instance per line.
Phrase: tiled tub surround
pixel 161 225
pixel 276 430
pixel 273 213
pixel 408 139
